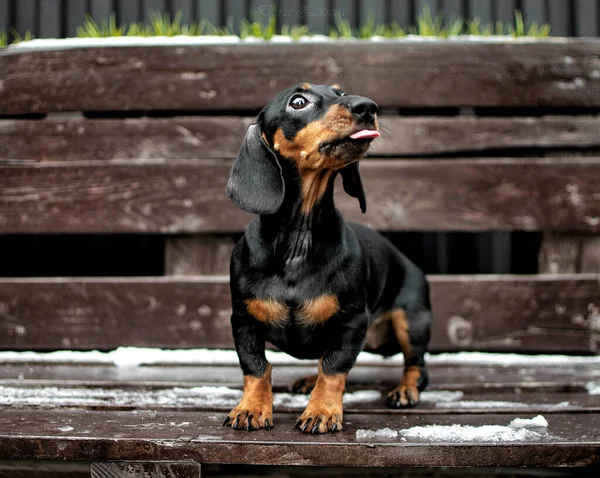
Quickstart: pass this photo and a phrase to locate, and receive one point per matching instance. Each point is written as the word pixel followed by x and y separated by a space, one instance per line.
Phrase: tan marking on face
pixel 400 326
pixel 325 402
pixel 319 310
pixel 264 137
pixel 305 86
pixel 337 87
pixel 267 311
pixel 303 149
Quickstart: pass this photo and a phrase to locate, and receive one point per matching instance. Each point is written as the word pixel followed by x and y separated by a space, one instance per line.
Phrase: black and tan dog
pixel 305 280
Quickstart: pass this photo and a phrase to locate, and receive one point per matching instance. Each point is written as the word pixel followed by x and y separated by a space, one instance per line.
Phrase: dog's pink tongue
pixel 365 133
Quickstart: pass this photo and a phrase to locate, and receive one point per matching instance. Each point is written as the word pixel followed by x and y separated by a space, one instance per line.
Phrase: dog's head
pixel 318 130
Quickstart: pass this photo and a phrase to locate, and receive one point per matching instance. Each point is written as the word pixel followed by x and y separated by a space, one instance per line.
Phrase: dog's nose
pixel 364 108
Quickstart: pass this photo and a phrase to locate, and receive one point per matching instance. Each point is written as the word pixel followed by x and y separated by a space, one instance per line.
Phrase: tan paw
pixel 320 421
pixel 403 396
pixel 243 419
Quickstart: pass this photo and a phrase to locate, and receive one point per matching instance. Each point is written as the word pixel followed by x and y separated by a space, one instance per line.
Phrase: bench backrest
pixel 499 136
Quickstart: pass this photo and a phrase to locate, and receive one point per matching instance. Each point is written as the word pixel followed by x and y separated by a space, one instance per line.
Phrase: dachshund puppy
pixel 305 280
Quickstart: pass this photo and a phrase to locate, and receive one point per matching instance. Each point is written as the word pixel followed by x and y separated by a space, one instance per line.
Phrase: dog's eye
pixel 298 102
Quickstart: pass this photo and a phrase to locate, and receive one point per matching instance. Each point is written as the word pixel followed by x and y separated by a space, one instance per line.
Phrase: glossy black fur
pixel 292 256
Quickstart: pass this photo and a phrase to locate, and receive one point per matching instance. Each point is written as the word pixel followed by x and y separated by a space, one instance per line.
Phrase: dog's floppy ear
pixel 353 184
pixel 255 182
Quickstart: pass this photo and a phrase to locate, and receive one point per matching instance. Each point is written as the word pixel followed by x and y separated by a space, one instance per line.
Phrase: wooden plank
pixel 146 470
pixel 200 437
pixel 143 396
pixel 235 12
pixel 208 77
pixel 374 9
pixel 50 19
pixel 552 381
pixel 187 196
pixel 75 11
pixel 494 252
pixel 568 253
pixel 100 10
pixel 401 12
pixel 64 139
pixel 289 12
pixel 198 255
pixel 508 313
pixel 586 18
pixel 453 10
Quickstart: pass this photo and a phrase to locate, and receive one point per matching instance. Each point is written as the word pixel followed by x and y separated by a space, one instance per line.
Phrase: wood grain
pixel 198 255
pixel 209 137
pixel 188 196
pixel 505 313
pixel 246 76
pixel 199 436
pixel 569 253
pixel 119 469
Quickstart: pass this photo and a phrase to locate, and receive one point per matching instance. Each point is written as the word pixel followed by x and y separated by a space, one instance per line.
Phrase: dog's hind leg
pixel 304 385
pixel 411 326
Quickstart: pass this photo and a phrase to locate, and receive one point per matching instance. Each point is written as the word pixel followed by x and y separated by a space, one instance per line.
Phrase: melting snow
pixel 494 404
pixel 441 396
pixel 184 40
pixel 136 356
pixel 593 388
pixel 195 396
pixel 520 429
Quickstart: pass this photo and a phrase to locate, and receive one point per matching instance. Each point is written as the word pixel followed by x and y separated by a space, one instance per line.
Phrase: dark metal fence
pixel 59 18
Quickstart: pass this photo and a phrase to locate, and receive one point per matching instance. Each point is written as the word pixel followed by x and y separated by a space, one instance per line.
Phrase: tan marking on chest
pixel 268 311
pixel 319 310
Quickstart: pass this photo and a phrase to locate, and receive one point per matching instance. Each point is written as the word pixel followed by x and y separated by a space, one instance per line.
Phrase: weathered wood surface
pixel 394 74
pixel 527 313
pixel 116 469
pixel 60 139
pixel 182 397
pixel 188 196
pixel 198 255
pixel 572 440
pixel 569 253
pixel 471 379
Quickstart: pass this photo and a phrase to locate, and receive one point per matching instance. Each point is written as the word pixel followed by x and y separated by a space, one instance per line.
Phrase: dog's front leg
pixel 255 409
pixel 324 412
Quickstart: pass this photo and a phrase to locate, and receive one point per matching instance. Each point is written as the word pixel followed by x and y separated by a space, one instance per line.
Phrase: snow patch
pixel 495 404
pixel 207 40
pixel 205 397
pixel 519 429
pixel 66 429
pixel 441 396
pixel 536 422
pixel 593 388
pixel 137 356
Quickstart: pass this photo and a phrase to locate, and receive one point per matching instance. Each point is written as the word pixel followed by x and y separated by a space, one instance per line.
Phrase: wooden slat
pixel 505 11
pixel 533 11
pixel 348 10
pixel 374 9
pixel 5 15
pixel 100 10
pixel 531 313
pixel 218 77
pixel 128 12
pixel 522 378
pixel 209 10
pixel 200 437
pixel 559 13
pixel 186 9
pixel 400 12
pixel 60 139
pixel 187 196
pixel 568 253
pixel 198 255
pixel 148 469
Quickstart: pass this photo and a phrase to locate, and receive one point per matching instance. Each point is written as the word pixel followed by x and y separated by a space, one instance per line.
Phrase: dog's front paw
pixel 245 419
pixel 315 420
pixel 403 396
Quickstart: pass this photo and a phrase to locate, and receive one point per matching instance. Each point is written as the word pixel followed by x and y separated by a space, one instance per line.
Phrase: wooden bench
pixel 500 137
